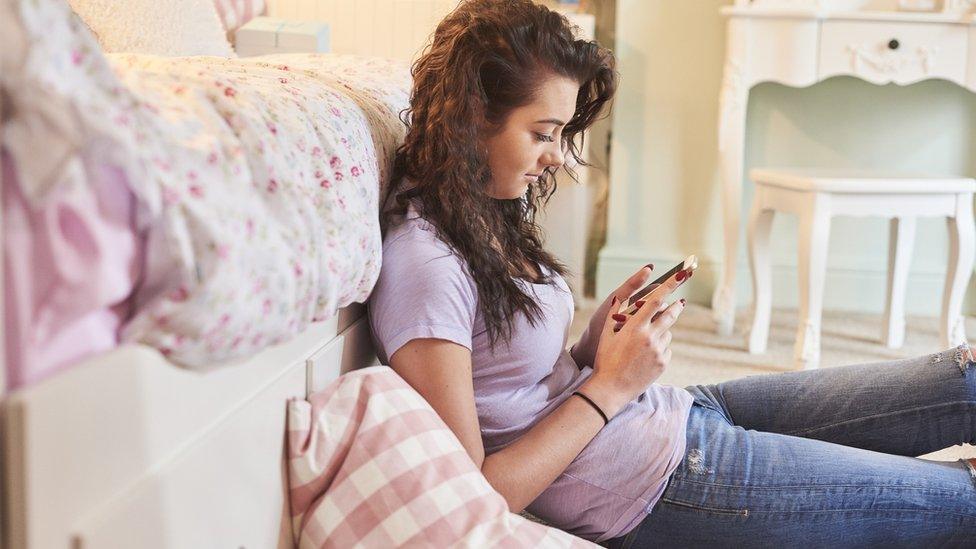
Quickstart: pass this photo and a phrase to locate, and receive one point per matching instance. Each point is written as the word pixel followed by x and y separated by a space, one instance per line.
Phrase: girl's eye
pixel 544 137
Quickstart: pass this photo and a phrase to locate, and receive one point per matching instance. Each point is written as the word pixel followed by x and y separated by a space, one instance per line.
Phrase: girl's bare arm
pixel 441 372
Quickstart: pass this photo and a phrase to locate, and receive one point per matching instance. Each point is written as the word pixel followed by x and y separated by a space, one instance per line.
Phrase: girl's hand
pixel 634 353
pixel 584 351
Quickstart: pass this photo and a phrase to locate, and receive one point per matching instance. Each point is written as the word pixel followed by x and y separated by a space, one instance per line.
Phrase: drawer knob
pixel 893 44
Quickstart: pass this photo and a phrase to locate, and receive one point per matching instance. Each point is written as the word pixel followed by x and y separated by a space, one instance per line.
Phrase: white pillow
pixel 157 27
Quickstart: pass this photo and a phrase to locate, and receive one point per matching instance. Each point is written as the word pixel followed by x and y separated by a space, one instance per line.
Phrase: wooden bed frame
pixel 128 450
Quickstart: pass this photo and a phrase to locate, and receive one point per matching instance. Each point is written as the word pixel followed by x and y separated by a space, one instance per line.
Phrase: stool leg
pixel 760 223
pixel 962 236
pixel 901 241
pixel 812 267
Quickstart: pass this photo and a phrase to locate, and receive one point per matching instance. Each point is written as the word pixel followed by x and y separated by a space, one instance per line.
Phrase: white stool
pixel 815 196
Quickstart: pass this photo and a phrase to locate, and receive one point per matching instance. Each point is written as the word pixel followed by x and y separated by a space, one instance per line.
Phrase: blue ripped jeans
pixel 824 458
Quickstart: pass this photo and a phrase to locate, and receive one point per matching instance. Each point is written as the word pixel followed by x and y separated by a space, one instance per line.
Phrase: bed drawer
pixel 351 349
pixel 883 51
pixel 228 488
pixel 123 414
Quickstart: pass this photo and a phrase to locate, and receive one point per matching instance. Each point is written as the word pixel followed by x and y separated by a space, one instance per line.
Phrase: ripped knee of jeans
pixel 964 358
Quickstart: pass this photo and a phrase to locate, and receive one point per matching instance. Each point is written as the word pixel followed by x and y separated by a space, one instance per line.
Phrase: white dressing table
pixel 800 46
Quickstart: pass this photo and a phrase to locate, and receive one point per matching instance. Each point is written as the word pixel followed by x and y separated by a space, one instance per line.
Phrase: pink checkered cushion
pixel 234 13
pixel 372 465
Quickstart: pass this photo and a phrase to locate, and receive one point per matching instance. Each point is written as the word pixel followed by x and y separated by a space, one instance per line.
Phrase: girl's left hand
pixel 584 351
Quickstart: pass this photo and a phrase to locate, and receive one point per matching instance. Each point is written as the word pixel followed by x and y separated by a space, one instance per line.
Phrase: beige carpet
pixel 701 356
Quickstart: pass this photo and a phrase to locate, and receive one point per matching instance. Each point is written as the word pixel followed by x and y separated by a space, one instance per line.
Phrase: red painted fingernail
pixel 681 276
pixel 619 317
pixel 639 304
pixel 682 301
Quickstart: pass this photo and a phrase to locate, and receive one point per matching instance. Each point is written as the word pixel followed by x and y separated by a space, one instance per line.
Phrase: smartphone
pixel 690 263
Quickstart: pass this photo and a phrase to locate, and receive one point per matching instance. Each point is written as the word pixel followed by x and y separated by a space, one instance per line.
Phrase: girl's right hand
pixel 628 360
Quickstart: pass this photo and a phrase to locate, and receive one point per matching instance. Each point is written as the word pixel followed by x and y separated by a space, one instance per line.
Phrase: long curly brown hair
pixel 486 59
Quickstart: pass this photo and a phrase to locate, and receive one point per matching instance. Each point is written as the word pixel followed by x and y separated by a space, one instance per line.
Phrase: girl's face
pixel 531 139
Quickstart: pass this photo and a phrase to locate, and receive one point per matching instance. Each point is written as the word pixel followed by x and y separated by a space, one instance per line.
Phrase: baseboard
pixel 846 289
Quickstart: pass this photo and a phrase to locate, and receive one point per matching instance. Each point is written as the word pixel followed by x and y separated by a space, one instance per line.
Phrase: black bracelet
pixel 595 407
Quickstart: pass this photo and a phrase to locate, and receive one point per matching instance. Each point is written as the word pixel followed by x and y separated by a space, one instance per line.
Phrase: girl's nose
pixel 554 157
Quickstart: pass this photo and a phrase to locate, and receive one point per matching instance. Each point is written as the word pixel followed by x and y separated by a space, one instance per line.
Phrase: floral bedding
pixel 273 208
pixel 257 180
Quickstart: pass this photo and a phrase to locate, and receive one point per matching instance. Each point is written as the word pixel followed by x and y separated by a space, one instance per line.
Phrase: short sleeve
pixel 423 291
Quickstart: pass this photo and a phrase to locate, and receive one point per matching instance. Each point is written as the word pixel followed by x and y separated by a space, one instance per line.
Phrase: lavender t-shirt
pixel 425 291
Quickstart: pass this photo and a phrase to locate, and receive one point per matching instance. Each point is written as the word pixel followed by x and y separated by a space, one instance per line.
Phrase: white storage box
pixel 264 35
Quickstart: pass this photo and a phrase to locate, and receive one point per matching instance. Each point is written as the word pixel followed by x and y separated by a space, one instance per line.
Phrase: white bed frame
pixel 127 450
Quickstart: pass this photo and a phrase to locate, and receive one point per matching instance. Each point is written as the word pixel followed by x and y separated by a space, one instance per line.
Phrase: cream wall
pixel 664 190
pixel 386 28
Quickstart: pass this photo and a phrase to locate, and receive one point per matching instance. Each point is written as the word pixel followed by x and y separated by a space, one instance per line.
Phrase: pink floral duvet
pixel 256 180
pixel 270 209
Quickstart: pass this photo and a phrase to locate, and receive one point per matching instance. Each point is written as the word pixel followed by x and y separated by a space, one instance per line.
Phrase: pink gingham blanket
pixel 372 465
